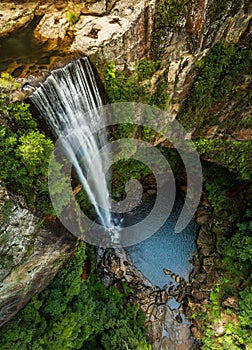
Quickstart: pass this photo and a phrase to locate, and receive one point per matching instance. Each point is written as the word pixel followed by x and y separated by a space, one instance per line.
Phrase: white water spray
pixel 67 100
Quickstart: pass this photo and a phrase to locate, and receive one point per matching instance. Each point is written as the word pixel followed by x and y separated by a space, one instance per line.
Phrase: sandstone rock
pixel 203 219
pixel 208 263
pixel 98 8
pixel 195 332
pixel 206 249
pixel 205 236
pixel 30 255
pixel 218 328
pixel 53 26
pixel 231 303
pixel 199 277
pixel 197 294
pixel 13 17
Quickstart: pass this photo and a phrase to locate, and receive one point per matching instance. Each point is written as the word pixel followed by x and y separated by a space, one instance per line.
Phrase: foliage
pixel 73 313
pixel 219 9
pixel 238 250
pixel 168 13
pixel 234 155
pixel 234 246
pixel 237 328
pixel 72 17
pixel 123 171
pixel 24 152
pixel 222 77
pixel 221 82
pixel 123 87
pixel 20 114
pixel 146 68
pixel 7 82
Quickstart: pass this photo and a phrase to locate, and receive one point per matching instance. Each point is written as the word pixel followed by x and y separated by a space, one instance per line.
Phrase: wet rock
pixel 195 332
pixel 208 263
pixel 197 294
pixel 203 219
pixel 206 249
pixel 205 236
pixel 177 279
pixel 199 277
pixel 167 272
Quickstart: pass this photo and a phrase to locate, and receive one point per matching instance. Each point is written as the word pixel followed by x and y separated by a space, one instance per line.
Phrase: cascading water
pixel 67 100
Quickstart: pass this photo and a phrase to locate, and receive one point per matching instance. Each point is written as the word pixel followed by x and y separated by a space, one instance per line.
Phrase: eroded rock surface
pixel 14 16
pixel 166 329
pixel 30 255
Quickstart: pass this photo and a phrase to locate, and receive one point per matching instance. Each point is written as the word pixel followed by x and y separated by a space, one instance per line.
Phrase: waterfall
pixel 66 100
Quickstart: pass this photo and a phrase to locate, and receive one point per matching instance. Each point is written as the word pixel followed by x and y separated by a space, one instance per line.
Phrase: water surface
pixel 165 248
pixel 21 54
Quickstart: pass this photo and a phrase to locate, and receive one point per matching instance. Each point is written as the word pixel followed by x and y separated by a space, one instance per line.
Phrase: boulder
pixel 15 16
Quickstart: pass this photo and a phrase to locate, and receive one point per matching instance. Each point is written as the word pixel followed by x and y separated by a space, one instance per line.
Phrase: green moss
pixel 222 80
pixel 168 13
pixel 8 82
pixel 234 155
pixel 6 211
pixel 219 9
pixel 72 17
pixel 146 68
pixel 125 87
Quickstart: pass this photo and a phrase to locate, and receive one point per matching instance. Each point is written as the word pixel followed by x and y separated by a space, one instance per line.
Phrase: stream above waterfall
pixel 21 54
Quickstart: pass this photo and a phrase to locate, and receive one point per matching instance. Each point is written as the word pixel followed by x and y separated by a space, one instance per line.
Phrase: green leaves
pixel 73 313
pixel 24 153
pixel 72 17
pixel 34 149
pixel 234 155
pixel 123 87
pixel 20 114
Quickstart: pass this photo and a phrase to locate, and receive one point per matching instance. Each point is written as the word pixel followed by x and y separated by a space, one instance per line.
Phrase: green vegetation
pixel 234 155
pixel 218 9
pixel 123 87
pixel 220 92
pixel 231 202
pixel 76 313
pixel 237 328
pixel 223 78
pixel 146 68
pixel 24 150
pixel 236 265
pixel 72 17
pixel 167 17
pixel 7 82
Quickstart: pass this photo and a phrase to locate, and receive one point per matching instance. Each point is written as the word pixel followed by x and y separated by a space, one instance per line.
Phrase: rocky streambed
pixel 169 308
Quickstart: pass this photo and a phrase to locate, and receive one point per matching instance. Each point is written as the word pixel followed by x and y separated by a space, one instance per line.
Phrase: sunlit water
pixel 21 54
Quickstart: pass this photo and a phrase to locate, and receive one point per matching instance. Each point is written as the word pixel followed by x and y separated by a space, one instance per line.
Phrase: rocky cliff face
pixel 30 255
pixel 123 32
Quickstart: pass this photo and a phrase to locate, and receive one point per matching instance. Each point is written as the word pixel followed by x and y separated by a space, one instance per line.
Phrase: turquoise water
pixel 165 248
